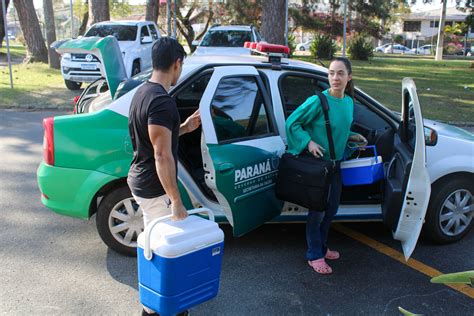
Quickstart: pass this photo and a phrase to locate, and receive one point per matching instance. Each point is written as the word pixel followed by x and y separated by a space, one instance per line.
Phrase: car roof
pixel 123 22
pixel 231 28
pixel 197 61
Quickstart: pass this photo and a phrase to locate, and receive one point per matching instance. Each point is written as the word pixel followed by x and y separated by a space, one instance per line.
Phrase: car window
pixel 295 89
pixel 144 32
pixel 258 37
pixel 238 110
pixel 121 32
pixel 154 34
pixel 229 38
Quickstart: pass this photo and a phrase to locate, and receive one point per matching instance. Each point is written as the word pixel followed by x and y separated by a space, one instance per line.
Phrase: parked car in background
pixel 227 40
pixel 424 50
pixel 135 39
pixel 397 49
pixel 304 46
pixel 87 157
pixel 380 49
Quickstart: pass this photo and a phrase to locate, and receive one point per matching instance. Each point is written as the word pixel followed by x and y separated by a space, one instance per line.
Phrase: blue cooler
pixel 362 171
pixel 179 262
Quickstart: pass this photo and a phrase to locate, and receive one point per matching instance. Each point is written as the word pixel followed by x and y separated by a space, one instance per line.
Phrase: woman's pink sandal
pixel 332 255
pixel 320 266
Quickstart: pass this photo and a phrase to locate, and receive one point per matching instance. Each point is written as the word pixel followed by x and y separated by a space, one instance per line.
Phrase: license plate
pixel 88 67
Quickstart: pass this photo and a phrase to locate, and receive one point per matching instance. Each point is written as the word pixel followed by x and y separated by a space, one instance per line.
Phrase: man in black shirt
pixel 154 126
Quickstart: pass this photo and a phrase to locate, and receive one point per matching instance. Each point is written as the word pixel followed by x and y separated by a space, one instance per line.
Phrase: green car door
pixel 241 146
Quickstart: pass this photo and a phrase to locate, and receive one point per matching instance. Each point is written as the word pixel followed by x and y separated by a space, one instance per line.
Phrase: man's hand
pixel 178 211
pixel 359 139
pixel 315 149
pixel 191 123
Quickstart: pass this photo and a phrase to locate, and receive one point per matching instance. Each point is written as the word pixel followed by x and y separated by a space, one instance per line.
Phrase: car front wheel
pixel 119 221
pixel 73 85
pixel 451 211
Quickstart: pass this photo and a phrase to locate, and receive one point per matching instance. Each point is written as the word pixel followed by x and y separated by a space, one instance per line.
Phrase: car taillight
pixel 48 141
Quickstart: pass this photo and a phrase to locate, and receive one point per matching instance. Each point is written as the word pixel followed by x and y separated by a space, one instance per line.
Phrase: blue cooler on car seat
pixel 179 262
pixel 362 171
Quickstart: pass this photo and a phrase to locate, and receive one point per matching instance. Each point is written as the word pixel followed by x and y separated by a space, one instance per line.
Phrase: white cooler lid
pixel 360 162
pixel 172 239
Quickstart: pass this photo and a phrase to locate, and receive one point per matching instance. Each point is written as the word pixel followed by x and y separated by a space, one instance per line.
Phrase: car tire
pixel 116 209
pixel 135 68
pixel 443 224
pixel 73 85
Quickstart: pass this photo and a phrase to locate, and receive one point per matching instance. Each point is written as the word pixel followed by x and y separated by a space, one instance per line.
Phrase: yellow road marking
pixel 392 253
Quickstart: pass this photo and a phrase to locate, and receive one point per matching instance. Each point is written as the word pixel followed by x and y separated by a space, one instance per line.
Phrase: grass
pixel 445 89
pixel 34 85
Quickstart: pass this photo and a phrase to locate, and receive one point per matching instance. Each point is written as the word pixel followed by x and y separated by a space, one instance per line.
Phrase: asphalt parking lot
pixel 51 264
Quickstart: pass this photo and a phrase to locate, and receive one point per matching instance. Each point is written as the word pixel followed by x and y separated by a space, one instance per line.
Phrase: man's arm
pixel 160 138
pixel 191 123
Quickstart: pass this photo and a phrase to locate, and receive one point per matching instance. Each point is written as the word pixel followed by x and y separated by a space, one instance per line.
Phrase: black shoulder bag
pixel 304 179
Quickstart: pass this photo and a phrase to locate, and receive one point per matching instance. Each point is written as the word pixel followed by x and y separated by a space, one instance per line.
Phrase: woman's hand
pixel 358 138
pixel 315 149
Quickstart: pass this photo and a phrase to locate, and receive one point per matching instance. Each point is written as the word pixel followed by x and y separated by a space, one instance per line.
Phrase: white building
pixel 424 25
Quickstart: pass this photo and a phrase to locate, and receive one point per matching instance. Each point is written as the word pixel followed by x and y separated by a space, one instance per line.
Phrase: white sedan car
pixel 424 50
pixel 397 49
pixel 304 46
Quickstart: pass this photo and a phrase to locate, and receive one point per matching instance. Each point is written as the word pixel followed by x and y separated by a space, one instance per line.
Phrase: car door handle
pixel 226 167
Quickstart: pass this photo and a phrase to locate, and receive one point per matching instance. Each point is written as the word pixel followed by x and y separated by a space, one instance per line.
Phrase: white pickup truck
pixel 135 39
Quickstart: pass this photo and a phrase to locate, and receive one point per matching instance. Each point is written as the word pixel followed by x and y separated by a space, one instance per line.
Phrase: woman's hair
pixel 350 84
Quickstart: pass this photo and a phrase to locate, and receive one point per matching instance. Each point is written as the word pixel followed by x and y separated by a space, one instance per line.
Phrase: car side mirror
pixel 146 40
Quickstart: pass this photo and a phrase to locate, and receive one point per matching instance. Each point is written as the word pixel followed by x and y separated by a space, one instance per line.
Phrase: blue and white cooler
pixel 362 171
pixel 179 262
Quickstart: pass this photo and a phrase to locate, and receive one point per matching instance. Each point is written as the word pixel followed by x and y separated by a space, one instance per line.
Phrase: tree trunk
pixel 85 19
pixel 99 11
pixel 2 23
pixel 439 46
pixel 36 49
pixel 152 10
pixel 50 33
pixel 273 21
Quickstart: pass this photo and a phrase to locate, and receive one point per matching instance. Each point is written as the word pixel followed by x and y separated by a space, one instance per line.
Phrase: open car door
pixel 107 50
pixel 240 146
pixel 407 187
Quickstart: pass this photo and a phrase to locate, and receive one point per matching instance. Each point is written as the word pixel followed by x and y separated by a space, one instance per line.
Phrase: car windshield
pixel 221 38
pixel 121 32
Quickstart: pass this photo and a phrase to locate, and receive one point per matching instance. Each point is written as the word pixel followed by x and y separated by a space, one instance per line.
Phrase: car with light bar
pixel 230 163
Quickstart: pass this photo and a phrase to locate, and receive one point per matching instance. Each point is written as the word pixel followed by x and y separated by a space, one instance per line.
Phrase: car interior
pixel 294 90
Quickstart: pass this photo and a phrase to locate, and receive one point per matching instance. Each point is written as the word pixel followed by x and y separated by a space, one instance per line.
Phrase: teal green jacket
pixel 307 123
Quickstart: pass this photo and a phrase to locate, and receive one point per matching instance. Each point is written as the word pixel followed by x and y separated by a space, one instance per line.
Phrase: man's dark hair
pixel 165 52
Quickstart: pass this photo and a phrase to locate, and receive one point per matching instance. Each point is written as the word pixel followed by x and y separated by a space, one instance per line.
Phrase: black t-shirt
pixel 151 105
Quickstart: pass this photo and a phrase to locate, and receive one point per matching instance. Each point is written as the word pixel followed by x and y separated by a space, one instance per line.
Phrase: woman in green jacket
pixel 306 130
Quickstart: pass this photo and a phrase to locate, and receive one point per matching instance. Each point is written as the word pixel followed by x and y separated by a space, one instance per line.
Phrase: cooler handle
pixel 147 251
pixel 375 151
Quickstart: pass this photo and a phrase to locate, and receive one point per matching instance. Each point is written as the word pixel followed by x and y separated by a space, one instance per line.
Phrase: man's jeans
pixel 318 223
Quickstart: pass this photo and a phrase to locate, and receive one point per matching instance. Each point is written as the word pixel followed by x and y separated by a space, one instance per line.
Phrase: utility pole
pixel 174 20
pixel 286 22
pixel 344 30
pixel 72 19
pixel 168 16
pixel 440 44
pixel 5 24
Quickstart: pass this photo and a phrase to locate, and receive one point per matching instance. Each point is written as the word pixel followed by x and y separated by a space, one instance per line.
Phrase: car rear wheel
pixel 72 85
pixel 119 221
pixel 451 211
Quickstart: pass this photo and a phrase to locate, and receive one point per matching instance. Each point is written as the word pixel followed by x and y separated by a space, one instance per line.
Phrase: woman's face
pixel 338 75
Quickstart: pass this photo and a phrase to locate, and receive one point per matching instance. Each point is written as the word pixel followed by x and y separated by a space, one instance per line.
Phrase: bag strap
pixel 325 106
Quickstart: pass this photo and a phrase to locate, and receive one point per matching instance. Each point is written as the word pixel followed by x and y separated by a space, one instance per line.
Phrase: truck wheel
pixel 119 221
pixel 450 213
pixel 135 68
pixel 73 85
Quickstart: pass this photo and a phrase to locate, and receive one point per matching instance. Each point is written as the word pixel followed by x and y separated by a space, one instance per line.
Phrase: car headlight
pixel 67 56
pixel 431 136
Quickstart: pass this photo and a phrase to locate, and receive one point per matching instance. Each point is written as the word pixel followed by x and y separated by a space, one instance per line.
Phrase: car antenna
pixel 321 62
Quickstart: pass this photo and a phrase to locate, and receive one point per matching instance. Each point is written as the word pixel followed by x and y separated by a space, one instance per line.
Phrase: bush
pixel 360 48
pixel 323 47
pixel 291 44
pixel 398 39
